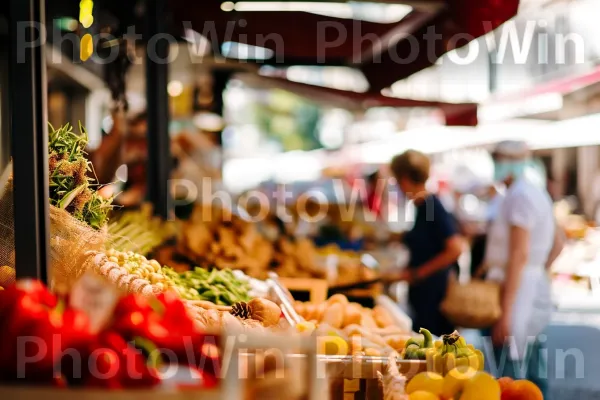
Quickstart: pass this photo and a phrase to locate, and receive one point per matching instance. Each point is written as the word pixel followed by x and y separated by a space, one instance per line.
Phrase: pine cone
pixel 241 310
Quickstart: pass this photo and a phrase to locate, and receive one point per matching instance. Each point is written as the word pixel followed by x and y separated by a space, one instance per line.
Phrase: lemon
pixel 482 386
pixel 426 381
pixel 332 346
pixel 455 380
pixel 423 395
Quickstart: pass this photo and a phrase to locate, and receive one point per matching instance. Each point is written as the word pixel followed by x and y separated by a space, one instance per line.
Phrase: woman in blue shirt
pixel 434 244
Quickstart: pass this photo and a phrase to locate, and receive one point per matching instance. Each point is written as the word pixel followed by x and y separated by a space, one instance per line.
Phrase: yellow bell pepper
pixel 452 353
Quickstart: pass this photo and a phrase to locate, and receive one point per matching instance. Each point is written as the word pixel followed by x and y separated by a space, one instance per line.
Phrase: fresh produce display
pixel 78 213
pixel 70 185
pixel 519 390
pixel 139 231
pixel 368 331
pixel 132 272
pixel 207 295
pixel 297 259
pixel 262 310
pixel 416 349
pixel 255 316
pixel 461 383
pixel 124 346
pixel 443 355
pixel 216 238
pixel 453 351
pixel 218 287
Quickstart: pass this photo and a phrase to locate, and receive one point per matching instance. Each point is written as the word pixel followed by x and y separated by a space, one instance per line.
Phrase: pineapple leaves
pixel 70 185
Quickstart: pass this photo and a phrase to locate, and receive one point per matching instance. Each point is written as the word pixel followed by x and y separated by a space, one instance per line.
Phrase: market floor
pixel 573 356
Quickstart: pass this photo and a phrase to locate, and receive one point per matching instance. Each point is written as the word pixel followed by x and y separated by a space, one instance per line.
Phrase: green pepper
pixel 416 349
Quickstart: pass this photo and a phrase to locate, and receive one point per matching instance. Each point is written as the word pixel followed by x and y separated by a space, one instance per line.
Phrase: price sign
pixel 96 297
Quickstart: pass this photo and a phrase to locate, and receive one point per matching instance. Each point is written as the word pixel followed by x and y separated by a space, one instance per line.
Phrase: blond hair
pixel 412 165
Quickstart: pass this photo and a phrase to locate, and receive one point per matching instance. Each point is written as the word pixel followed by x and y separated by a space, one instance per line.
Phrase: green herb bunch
pixel 71 188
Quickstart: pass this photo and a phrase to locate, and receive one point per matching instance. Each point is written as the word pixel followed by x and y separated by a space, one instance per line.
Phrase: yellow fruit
pixel 426 381
pixel 482 386
pixel 423 395
pixel 305 326
pixel 455 380
pixel 332 346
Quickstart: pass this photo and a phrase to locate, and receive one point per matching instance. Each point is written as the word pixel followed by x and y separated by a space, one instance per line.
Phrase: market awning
pixel 386 47
pixel 562 86
pixel 385 52
pixel 544 100
pixel 462 114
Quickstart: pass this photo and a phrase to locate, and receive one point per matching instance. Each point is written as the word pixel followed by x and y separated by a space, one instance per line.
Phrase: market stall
pixel 151 329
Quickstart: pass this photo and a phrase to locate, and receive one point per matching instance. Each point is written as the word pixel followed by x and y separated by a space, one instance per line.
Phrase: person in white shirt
pixel 523 241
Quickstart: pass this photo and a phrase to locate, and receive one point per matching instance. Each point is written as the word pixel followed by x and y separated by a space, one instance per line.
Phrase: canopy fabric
pixel 385 53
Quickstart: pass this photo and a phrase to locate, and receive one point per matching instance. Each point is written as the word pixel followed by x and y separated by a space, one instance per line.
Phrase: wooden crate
pixel 316 288
pixel 357 379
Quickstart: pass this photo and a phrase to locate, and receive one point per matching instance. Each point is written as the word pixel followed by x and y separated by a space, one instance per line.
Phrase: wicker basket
pixel 474 305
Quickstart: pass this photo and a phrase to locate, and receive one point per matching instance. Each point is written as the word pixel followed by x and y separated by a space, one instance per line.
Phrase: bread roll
pixel 382 317
pixel 300 308
pixel 367 320
pixel 320 311
pixel 310 311
pixel 334 315
pixel 338 298
pixel 353 314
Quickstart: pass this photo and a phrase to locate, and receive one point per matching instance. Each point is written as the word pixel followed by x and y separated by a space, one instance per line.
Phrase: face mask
pixel 505 169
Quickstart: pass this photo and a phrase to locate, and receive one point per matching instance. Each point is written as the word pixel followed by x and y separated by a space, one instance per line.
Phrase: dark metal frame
pixel 29 131
pixel 157 75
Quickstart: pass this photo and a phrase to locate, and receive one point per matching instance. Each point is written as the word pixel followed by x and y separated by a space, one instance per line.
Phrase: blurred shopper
pixel 126 143
pixel 493 197
pixel 522 241
pixel 374 193
pixel 433 242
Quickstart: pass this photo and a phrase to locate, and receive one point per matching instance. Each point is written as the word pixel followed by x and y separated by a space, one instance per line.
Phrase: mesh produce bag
pixel 7 223
pixel 70 240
